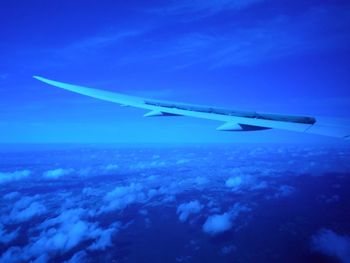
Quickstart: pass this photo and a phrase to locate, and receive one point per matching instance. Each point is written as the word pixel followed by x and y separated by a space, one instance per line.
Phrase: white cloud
pixel 151 177
pixel 216 224
pixel 234 182
pixel 104 239
pixel 185 209
pixel 34 209
pixel 122 196
pixel 182 161
pixel 152 193
pixel 79 257
pixel 61 234
pixel 7 237
pixel 201 180
pixel 284 190
pixel 227 249
pixel 204 7
pixel 219 223
pixel 14 176
pixel 11 196
pixel 57 173
pixel 169 199
pixel 89 191
pixel 97 42
pixel 62 237
pixel 111 167
pixel 259 186
pixel 332 244
pixel 12 255
pixel 25 209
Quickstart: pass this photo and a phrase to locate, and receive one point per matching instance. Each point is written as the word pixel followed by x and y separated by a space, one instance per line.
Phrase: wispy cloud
pixel 328 242
pixel 90 47
pixel 203 7
pixel 99 41
pixel 284 191
pixel 317 29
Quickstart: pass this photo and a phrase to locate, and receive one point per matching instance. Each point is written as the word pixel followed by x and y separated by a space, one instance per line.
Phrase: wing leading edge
pixel 234 120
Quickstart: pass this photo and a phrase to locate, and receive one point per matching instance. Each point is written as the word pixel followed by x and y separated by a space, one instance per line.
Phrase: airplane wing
pixel 232 120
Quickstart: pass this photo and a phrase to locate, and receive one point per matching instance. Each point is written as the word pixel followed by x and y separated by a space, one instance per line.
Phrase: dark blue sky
pixel 272 56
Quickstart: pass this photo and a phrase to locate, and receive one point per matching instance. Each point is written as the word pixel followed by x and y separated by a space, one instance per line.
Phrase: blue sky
pixel 272 56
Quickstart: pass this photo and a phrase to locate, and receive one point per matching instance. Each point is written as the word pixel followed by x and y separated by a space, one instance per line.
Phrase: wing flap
pixel 155 113
pixel 230 126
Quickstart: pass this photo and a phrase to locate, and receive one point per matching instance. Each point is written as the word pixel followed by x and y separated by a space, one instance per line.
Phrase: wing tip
pixel 38 77
pixel 49 81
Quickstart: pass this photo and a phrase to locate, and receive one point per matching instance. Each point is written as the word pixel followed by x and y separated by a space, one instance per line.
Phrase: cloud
pixel 57 173
pixel 203 8
pixel 216 224
pixel 99 41
pixel 104 239
pixel 284 191
pixel 259 186
pixel 234 182
pixel 13 254
pixel 92 46
pixel 247 182
pixel 332 244
pixel 228 249
pixel 283 36
pixel 185 209
pixel 61 234
pixel 14 176
pixel 6 237
pixel 182 161
pixel 25 209
pixel 122 196
pixel 79 257
pixel 219 223
pixel 199 180
pixel 111 167
pixel 11 196
pixel 33 210
pixel 152 193
pixel 314 30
